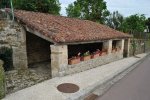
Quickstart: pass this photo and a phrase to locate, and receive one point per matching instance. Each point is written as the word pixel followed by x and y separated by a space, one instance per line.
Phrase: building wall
pixel 12 35
pixel 86 65
pixel 60 66
pixel 38 49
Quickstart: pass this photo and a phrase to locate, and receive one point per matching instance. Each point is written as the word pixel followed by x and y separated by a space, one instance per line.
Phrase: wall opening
pixel 125 53
pixel 116 44
pixel 6 56
pixel 73 50
pixel 38 53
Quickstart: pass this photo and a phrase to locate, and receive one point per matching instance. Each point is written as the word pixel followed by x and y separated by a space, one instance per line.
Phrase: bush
pixel 6 56
pixel 2 81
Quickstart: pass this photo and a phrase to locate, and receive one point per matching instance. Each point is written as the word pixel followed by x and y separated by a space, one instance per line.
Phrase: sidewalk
pixel 134 86
pixel 87 81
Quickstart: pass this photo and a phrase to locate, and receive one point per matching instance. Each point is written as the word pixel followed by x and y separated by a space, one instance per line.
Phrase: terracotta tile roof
pixel 67 30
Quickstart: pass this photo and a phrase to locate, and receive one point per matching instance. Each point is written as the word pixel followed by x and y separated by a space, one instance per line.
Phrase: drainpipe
pixel 144 42
pixel 145 37
pixel 12 9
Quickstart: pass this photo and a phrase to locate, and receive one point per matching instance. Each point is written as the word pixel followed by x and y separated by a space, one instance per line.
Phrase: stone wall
pixel 142 46
pixel 86 65
pixel 12 35
pixel 147 48
pixel 59 59
pixel 38 49
pixel 2 81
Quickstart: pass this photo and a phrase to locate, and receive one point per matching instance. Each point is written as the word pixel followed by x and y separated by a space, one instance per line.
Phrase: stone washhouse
pixel 40 37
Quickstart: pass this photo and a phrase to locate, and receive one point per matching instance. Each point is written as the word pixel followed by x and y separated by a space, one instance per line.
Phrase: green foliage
pixel 73 11
pixel 148 24
pixel 115 20
pixel 134 23
pixel 86 53
pixel 134 46
pixel 4 3
pixel 94 10
pixel 45 6
pixel 2 81
pixel 6 56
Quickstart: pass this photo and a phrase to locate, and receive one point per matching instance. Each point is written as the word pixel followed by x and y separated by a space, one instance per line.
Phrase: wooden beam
pixel 76 43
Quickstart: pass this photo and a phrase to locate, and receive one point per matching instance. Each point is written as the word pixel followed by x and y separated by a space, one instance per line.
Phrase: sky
pixel 125 7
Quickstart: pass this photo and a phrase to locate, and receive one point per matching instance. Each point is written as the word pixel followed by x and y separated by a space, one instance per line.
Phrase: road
pixel 134 86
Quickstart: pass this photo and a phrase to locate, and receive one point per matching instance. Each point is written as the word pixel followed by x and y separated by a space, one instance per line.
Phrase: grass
pixel 2 82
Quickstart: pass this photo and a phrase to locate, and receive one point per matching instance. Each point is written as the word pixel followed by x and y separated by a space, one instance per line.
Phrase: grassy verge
pixel 2 82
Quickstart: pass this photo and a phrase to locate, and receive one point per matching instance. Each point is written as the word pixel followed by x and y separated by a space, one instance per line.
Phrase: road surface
pixel 134 86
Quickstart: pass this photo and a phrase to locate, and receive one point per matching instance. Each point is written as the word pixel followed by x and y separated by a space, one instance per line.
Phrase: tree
pixel 46 6
pixel 148 24
pixel 4 3
pixel 94 10
pixel 134 23
pixel 115 20
pixel 73 11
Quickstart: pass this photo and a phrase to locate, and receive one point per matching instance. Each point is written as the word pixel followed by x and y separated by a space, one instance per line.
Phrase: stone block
pixel 86 65
pixel 108 46
pixel 59 58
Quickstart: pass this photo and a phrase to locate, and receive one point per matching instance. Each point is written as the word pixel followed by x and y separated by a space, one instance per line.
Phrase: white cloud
pixel 64 4
pixel 127 7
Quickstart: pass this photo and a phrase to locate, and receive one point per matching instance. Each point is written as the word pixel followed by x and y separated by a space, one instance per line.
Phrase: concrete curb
pixel 102 86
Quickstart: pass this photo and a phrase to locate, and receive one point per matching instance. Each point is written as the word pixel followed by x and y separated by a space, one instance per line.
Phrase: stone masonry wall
pixel 2 81
pixel 12 35
pixel 139 47
pixel 59 59
pixel 38 49
pixel 86 65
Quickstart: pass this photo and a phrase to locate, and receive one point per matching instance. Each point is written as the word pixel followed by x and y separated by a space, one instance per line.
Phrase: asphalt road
pixel 134 86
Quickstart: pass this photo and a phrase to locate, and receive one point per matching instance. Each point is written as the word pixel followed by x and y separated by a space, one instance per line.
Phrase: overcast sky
pixel 125 7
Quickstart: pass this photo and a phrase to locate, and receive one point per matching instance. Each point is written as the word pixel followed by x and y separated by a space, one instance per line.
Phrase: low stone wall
pixel 2 81
pixel 147 45
pixel 86 65
pixel 141 46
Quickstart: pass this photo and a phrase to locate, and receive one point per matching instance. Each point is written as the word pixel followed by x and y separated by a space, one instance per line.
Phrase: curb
pixel 103 88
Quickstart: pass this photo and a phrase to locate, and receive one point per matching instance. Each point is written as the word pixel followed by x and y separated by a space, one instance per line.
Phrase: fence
pixel 141 35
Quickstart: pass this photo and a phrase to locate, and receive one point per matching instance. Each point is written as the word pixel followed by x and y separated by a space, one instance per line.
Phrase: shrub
pixel 2 81
pixel 6 56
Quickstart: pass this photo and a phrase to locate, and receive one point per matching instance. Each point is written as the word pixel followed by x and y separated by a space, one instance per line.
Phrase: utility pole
pixel 145 38
pixel 12 10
